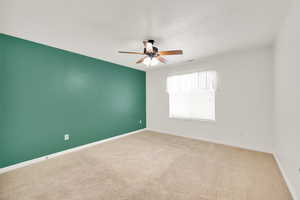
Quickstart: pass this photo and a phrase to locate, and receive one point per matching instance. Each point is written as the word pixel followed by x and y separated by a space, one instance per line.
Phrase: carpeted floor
pixel 149 165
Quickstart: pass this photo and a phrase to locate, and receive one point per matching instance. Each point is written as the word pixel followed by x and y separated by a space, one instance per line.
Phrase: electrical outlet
pixel 66 137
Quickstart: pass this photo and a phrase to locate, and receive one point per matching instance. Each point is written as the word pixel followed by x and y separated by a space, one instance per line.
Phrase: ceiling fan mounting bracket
pixel 151 41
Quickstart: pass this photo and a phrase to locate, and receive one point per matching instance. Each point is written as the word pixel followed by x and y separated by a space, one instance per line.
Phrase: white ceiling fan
pixel 153 55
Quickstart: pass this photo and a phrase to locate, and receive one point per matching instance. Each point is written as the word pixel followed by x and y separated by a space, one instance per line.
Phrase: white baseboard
pixel 209 140
pixel 36 160
pixel 291 189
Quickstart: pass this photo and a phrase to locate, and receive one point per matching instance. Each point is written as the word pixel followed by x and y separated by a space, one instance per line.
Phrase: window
pixel 192 96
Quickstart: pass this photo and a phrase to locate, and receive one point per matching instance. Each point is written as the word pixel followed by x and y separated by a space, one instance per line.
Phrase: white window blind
pixel 192 96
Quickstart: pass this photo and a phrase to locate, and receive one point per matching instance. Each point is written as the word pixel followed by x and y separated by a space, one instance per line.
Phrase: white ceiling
pixel 99 28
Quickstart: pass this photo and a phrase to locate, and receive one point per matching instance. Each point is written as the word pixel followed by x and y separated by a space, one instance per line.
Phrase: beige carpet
pixel 152 166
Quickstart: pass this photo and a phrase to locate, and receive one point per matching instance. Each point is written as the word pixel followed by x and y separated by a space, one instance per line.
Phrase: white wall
pixel 243 100
pixel 287 98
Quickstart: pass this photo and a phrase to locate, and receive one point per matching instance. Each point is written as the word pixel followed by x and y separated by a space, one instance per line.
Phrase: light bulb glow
pixel 150 61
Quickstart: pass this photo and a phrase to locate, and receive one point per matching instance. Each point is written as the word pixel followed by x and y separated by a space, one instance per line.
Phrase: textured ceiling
pixel 100 28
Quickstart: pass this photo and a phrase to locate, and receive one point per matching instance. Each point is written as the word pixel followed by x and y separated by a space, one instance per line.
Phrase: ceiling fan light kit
pixel 150 61
pixel 153 56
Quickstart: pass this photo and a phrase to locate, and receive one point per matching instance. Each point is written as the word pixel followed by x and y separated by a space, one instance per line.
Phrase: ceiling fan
pixel 153 56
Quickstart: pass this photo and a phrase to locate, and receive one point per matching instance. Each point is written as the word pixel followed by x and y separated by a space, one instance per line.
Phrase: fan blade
pixel 161 59
pixel 131 52
pixel 141 60
pixel 172 52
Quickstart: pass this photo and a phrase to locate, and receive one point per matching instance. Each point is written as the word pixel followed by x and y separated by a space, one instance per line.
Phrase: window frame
pixel 215 97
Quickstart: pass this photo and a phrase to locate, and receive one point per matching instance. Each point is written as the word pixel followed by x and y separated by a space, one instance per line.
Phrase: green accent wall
pixel 47 92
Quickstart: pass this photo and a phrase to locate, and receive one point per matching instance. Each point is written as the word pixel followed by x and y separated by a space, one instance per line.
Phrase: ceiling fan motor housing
pixel 153 53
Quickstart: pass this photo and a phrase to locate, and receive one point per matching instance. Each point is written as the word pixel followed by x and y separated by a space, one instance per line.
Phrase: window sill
pixel 193 119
